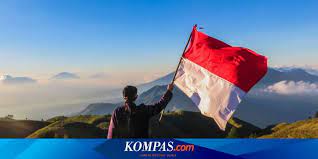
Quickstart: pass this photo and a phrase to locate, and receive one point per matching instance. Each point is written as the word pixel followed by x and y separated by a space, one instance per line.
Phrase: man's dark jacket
pixel 131 121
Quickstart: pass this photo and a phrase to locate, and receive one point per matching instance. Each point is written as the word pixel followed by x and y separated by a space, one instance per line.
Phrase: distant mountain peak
pixel 65 76
pixel 290 69
pixel 99 75
pixel 158 82
pixel 8 79
pixel 296 69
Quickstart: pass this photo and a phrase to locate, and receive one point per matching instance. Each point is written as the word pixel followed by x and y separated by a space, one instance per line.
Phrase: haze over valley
pixel 283 95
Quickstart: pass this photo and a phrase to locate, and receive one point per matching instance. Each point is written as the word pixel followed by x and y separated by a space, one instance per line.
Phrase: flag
pixel 216 76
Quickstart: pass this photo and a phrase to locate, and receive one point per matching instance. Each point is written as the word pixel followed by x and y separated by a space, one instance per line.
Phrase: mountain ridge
pixel 255 102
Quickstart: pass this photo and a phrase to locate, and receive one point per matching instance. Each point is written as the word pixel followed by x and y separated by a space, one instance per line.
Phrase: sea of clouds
pixel 37 98
pixel 293 88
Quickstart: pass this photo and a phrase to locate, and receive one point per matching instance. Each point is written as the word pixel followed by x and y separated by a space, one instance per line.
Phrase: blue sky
pixel 41 37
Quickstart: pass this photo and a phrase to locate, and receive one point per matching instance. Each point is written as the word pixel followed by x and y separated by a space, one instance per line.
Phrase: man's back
pixel 131 121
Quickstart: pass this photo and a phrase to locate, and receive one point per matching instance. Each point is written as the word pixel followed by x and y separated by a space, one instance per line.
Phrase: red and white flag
pixel 216 76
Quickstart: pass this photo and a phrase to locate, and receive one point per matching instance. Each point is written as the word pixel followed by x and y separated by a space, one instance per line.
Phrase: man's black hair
pixel 130 92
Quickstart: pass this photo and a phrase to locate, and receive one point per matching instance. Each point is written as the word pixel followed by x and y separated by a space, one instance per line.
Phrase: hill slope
pixel 98 109
pixel 180 124
pixel 19 128
pixel 185 124
pixel 300 129
pixel 90 126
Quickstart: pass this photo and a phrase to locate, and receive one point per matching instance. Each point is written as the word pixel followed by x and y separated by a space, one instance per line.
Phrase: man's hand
pixel 170 87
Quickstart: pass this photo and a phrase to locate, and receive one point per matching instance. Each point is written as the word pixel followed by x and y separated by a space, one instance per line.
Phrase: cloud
pixel 10 80
pixel 292 88
pixel 52 97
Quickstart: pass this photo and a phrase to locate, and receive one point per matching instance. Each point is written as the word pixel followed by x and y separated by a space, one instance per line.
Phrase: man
pixel 131 121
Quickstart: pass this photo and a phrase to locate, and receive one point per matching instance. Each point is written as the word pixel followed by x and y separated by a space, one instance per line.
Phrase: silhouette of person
pixel 132 121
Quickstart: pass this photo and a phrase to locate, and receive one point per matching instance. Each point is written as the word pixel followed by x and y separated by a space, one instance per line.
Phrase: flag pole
pixel 175 73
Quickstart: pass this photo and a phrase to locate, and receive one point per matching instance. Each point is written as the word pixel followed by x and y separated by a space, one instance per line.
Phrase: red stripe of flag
pixel 240 66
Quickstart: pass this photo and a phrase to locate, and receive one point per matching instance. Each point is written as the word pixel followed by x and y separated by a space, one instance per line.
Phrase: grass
pixel 178 124
pixel 19 128
pixel 82 126
pixel 184 124
pixel 300 129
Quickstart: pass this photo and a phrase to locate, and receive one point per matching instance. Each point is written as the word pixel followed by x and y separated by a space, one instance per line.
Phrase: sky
pixel 132 42
pixel 41 37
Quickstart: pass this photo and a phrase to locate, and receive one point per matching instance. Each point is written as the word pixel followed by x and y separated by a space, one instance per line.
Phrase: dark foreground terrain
pixel 177 124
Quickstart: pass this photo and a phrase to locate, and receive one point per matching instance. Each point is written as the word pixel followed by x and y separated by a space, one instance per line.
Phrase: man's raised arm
pixel 112 125
pixel 162 103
